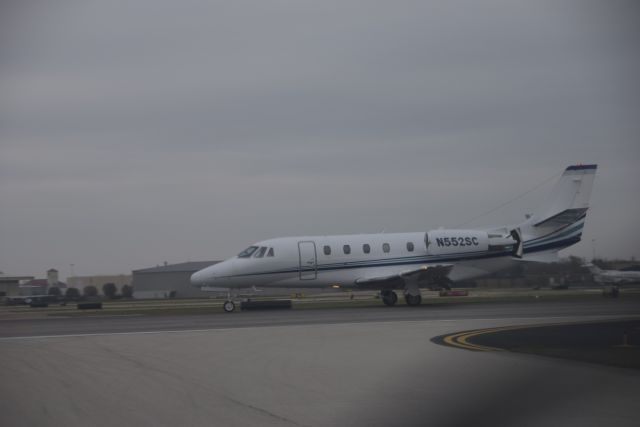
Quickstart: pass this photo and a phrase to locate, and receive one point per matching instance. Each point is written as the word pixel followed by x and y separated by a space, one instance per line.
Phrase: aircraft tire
pixel 389 298
pixel 413 300
pixel 229 306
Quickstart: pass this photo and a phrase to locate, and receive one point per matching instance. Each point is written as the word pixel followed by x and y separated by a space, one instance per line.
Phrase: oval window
pixel 386 248
pixel 410 246
pixel 346 249
pixel 366 248
pixel 327 250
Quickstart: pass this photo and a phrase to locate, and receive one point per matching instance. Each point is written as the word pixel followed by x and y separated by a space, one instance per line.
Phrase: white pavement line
pixel 175 331
pixel 104 334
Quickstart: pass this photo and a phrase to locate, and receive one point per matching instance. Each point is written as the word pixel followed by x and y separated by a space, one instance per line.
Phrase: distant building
pixel 174 281
pixel 168 281
pixel 81 281
pixel 41 286
pixel 10 285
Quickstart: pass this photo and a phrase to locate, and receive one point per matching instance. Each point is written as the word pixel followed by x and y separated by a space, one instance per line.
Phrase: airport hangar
pixel 174 281
pixel 168 281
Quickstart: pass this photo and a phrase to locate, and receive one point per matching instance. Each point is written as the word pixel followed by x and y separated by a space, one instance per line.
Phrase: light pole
pixel 593 246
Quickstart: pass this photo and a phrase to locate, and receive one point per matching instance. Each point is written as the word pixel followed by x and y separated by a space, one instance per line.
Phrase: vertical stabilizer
pixel 593 269
pixel 570 196
pixel 558 223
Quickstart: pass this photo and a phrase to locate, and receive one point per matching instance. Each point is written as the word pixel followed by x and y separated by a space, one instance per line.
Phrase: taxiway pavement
pixel 106 324
pixel 369 366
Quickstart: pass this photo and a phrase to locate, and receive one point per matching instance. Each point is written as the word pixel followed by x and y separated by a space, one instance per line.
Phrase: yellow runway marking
pixel 461 339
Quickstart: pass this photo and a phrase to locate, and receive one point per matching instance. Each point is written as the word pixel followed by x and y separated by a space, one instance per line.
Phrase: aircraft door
pixel 308 260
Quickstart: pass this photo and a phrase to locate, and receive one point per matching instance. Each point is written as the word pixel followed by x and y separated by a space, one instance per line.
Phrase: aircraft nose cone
pixel 213 275
pixel 199 278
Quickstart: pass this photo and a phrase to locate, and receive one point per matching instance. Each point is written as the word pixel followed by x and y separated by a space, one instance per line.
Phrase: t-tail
pixel 593 269
pixel 558 223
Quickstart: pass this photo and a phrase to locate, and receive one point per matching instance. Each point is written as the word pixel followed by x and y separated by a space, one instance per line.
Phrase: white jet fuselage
pixel 616 276
pixel 410 261
pixel 305 261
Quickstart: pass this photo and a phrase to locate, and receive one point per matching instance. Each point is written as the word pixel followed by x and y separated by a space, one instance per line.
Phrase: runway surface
pixel 100 324
pixel 368 366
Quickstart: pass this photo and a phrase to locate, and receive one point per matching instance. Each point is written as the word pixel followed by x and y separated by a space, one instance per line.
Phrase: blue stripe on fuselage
pixel 419 260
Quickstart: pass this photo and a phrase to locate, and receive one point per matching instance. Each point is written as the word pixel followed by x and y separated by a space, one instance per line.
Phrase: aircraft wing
pixel 426 275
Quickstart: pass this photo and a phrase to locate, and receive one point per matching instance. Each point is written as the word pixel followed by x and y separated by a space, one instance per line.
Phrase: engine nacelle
pixel 441 242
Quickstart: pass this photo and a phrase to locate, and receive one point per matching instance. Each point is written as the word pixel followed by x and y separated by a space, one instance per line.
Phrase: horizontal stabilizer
pixel 551 256
pixel 567 216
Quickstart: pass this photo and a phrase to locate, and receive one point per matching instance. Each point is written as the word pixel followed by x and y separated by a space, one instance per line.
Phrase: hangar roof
pixel 42 282
pixel 191 266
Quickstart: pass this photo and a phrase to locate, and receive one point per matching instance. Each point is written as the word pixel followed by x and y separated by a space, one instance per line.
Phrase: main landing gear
pixel 412 300
pixel 389 297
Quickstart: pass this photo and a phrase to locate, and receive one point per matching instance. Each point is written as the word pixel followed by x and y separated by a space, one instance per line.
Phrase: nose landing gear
pixel 229 306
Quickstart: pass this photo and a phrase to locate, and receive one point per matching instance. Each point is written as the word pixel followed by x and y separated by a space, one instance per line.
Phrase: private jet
pixel 408 262
pixel 613 277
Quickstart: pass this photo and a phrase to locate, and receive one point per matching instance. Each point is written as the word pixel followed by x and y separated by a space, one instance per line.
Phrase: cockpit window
pixel 260 252
pixel 247 252
pixel 270 253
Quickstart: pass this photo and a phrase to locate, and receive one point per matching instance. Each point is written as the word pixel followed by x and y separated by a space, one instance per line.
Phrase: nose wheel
pixel 229 306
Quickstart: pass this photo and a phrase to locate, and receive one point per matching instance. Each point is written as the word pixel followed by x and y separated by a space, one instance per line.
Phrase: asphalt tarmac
pixel 98 323
pixel 609 342
pixel 360 366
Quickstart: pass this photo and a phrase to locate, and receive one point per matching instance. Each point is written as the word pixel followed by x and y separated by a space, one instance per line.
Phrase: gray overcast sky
pixel 134 132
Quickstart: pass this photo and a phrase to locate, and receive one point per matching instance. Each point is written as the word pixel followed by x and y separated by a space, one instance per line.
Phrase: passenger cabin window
pixel 327 250
pixel 270 253
pixel 386 248
pixel 247 252
pixel 410 246
pixel 346 249
pixel 366 248
pixel 260 252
